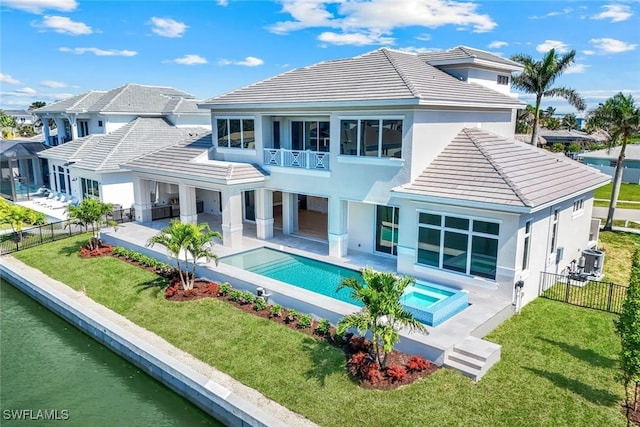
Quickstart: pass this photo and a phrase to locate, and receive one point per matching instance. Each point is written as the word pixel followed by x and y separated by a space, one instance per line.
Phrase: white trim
pixel 236 150
pixel 297 171
pixel 370 160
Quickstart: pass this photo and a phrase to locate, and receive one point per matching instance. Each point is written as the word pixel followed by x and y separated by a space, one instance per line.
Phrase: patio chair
pixel 44 202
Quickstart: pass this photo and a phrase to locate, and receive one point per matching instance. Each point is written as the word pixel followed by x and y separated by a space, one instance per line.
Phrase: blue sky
pixel 51 49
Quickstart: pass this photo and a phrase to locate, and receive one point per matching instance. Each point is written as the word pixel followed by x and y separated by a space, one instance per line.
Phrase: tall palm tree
pixel 382 313
pixel 187 243
pixel 538 77
pixel 621 118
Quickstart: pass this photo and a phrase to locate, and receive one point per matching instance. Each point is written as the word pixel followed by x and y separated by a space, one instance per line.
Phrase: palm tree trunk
pixel 617 179
pixel 536 119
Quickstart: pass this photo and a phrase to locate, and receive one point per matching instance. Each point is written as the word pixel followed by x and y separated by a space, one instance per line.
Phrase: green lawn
pixel 628 193
pixel 557 367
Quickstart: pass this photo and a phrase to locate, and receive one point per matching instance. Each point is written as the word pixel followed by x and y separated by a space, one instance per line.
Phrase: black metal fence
pixel 122 215
pixel 172 211
pixel 31 236
pixel 605 296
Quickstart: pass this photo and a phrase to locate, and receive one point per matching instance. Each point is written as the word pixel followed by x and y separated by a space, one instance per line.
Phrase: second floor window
pixel 310 135
pixel 503 80
pixel 83 128
pixel 371 137
pixel 236 133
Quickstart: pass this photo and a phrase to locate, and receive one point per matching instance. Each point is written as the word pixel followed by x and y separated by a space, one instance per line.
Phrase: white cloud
pixel 589 52
pixel 64 25
pixel 27 90
pixel 364 22
pixel 167 27
pixel 38 6
pixel 223 2
pixel 98 52
pixel 357 39
pixel 576 69
pixel 414 49
pixel 53 84
pixel 497 44
pixel 615 12
pixel 607 45
pixel 425 37
pixel 190 60
pixel 564 11
pixel 249 61
pixel 559 46
pixel 6 78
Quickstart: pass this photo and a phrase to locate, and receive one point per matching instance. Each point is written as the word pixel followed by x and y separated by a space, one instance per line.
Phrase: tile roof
pixel 482 167
pixel 130 98
pixel 108 152
pixel 466 54
pixel 189 160
pixel 15 149
pixel 383 76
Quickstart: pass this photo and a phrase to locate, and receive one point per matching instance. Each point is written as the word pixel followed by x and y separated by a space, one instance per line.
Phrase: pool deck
pixel 487 309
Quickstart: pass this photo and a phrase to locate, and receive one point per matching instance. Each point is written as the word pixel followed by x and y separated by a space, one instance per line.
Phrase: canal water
pixel 50 369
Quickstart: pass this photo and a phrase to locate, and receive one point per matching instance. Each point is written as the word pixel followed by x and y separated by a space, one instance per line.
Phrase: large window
pixel 83 128
pixel 236 133
pixel 310 135
pixel 61 180
pixel 554 231
pixel 459 244
pixel 371 137
pixel 387 229
pixel 527 246
pixel 90 189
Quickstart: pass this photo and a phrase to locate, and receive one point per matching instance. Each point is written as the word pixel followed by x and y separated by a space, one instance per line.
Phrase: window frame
pixel 358 142
pixel 502 80
pixel 443 228
pixel 243 144
pixel 555 219
pixel 526 245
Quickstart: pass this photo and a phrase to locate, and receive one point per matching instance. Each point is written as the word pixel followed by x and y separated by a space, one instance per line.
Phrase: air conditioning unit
pixel 593 262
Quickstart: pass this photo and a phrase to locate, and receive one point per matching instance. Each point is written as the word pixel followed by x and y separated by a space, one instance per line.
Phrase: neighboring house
pixel 23 117
pixel 20 168
pixel 568 137
pixel 99 130
pixel 606 161
pixel 386 154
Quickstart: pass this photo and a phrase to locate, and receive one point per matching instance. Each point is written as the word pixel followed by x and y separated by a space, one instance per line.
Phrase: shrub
pixel 358 360
pixel 235 295
pixel 275 310
pixel 360 344
pixel 417 364
pixel 225 289
pixel 305 321
pixel 371 372
pixel 260 304
pixel 396 373
pixel 212 289
pixel 323 327
pixel 292 316
pixel 246 298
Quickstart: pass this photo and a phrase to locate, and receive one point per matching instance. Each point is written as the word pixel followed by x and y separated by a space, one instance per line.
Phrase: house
pixel 21 172
pixel 23 117
pixel 394 154
pixel 99 130
pixel 570 136
pixel 606 161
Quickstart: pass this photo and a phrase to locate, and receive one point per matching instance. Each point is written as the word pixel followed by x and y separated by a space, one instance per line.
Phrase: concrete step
pixel 474 374
pixel 473 357
pixel 469 361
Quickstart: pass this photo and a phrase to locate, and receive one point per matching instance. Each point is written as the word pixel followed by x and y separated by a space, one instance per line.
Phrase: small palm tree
pixel 538 77
pixel 382 313
pixel 187 243
pixel 91 213
pixel 621 118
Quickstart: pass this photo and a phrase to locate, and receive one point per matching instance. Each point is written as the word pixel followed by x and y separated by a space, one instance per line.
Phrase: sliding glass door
pixel 387 229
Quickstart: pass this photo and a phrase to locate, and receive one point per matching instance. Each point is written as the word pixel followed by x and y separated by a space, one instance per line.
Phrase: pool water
pixel 323 278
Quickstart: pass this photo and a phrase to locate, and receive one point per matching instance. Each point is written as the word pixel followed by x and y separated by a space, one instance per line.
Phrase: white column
pixel 46 130
pixel 187 196
pixel 264 213
pixel 74 126
pixel 37 172
pixel 338 227
pixel 231 217
pixel 289 212
pixel 142 199
pixel 62 134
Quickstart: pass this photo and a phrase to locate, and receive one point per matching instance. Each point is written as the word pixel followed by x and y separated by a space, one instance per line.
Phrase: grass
pixel 629 193
pixel 557 368
pixel 619 249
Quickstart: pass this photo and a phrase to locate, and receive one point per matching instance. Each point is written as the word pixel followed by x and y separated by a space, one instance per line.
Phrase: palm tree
pixel 91 213
pixel 524 120
pixel 569 121
pixel 621 118
pixel 538 77
pixel 187 243
pixel 381 313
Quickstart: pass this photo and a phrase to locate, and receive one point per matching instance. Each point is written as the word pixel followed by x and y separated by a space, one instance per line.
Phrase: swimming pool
pixel 429 303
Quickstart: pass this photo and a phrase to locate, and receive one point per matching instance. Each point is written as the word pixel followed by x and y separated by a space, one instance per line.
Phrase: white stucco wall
pixel 117 187
pixel 210 199
pixel 361 225
pixel 115 122
pixel 187 120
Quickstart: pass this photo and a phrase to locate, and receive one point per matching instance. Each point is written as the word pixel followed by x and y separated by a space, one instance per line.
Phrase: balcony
pixel 301 159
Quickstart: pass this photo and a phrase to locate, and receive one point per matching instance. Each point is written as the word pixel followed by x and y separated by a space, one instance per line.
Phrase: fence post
pixel 40 230
pixel 566 296
pixel 610 296
pixel 53 236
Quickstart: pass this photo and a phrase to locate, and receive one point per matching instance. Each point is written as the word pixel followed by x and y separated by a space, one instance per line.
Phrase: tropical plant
pixel 17 216
pixel 323 327
pixel 7 121
pixel 260 304
pixel 36 104
pixel 91 213
pixel 628 327
pixel 382 313
pixel 538 77
pixel 620 117
pixel 305 321
pixel 524 120
pixel 187 243
pixel 557 147
pixel 225 289
pixel 275 310
pixel 569 121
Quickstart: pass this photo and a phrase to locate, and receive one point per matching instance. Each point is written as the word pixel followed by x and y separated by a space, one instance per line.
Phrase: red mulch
pixel 101 250
pixel 350 344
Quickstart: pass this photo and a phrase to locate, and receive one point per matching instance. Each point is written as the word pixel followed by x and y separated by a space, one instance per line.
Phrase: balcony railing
pixel 303 159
